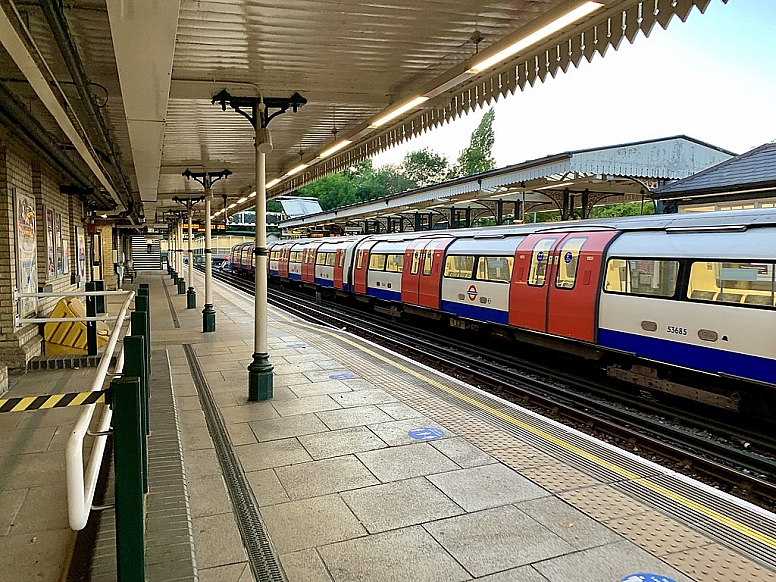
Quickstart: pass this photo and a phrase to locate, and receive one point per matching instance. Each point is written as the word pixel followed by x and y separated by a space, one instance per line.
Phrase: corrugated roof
pixel 756 169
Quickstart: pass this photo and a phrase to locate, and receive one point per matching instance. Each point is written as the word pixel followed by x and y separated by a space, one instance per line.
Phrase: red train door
pixel 555 283
pixel 362 266
pixel 410 277
pixel 285 252
pixel 339 264
pixel 308 262
pixel 431 272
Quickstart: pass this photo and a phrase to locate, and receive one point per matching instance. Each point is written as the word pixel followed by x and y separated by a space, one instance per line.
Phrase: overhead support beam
pixel 143 33
pixel 18 51
pixel 205 89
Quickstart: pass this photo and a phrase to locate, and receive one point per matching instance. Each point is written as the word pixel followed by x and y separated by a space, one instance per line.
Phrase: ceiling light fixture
pixel 272 183
pixel 396 112
pixel 232 205
pixel 296 170
pixel 243 199
pixel 252 195
pixel 334 148
pixel 533 38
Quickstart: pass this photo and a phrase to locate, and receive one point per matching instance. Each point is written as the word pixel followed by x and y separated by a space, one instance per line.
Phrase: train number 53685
pixel 677 330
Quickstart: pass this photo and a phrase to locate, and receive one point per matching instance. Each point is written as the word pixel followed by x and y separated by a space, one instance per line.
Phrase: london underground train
pixel 652 297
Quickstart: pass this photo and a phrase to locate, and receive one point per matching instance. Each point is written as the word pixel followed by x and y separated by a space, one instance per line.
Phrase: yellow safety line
pixel 79 399
pixel 23 404
pixel 655 487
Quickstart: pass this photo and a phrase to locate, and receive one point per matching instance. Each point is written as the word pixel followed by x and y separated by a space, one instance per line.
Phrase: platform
pixel 367 466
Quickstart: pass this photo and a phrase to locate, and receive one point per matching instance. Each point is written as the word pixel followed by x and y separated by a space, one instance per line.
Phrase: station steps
pixel 141 258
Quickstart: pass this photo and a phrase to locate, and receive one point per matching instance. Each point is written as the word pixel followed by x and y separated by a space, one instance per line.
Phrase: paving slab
pixel 407 461
pixel 360 416
pixel 486 486
pixel 522 574
pixel 299 525
pixel 208 496
pixel 399 410
pixel 610 562
pixel 305 405
pixel 304 566
pixel 492 540
pixel 323 477
pixel 271 454
pixel 318 388
pixel 409 554
pixel 462 452
pixel 399 504
pixel 362 398
pixel 397 432
pixel 341 442
pixel 266 487
pixel 281 428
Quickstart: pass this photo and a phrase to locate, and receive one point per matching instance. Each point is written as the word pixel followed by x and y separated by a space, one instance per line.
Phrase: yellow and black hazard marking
pixel 48 401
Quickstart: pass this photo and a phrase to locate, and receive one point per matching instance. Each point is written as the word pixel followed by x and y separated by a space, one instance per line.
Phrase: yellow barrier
pixel 70 338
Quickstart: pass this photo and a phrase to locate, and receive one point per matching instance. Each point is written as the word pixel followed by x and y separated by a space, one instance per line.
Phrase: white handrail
pixel 81 485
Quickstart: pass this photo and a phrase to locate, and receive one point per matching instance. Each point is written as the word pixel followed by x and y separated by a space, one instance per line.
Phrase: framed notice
pixel 58 241
pixel 51 261
pixel 26 251
pixel 80 254
pixel 65 238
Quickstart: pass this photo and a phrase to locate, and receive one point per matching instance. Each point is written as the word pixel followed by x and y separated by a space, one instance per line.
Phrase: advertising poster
pixel 26 251
pixel 80 254
pixel 65 252
pixel 58 239
pixel 51 267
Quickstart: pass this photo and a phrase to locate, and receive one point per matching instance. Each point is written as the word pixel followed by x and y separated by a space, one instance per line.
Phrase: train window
pixel 321 258
pixel 459 266
pixel 642 277
pixel 377 263
pixel 733 282
pixel 296 257
pixel 342 258
pixel 330 259
pixel 569 262
pixel 428 262
pixel 494 269
pixel 394 263
pixel 415 262
pixel 360 259
pixel 540 260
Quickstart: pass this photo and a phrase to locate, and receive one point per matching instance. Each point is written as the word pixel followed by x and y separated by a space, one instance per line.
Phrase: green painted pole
pixel 139 321
pixel 128 471
pixel 100 298
pixel 134 367
pixel 91 326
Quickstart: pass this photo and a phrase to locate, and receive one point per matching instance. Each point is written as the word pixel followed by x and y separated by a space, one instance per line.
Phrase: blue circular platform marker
pixel 646 578
pixel 298 345
pixel 342 376
pixel 426 433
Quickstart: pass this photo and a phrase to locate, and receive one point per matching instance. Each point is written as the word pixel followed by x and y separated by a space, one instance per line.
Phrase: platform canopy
pixel 372 74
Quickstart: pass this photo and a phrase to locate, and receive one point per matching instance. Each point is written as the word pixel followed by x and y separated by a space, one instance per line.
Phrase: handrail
pixel 81 485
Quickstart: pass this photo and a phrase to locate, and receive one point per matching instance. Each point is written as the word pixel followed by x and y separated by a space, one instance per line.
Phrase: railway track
pixel 693 444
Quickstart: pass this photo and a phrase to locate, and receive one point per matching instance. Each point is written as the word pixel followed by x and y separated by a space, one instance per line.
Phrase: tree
pixel 424 167
pixel 332 191
pixel 274 206
pixel 478 157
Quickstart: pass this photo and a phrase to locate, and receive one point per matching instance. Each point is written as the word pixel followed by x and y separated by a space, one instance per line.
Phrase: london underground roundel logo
pixel 472 292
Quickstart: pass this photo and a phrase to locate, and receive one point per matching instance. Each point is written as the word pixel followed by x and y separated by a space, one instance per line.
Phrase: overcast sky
pixel 712 78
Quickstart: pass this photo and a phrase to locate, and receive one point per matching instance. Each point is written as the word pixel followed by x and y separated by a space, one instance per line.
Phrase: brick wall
pixel 108 272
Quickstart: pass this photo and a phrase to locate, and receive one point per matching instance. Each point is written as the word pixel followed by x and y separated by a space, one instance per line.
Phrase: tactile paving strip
pixel 549 443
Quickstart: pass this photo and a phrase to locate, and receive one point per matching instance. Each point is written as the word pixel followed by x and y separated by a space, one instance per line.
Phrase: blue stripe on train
pixel 383 294
pixel 273 272
pixel 324 282
pixel 345 287
pixel 295 276
pixel 476 312
pixel 698 357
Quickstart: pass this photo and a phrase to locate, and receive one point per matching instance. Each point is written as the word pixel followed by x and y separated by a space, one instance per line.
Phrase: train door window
pixel 494 269
pixel 394 263
pixel 321 258
pixel 569 263
pixel 296 257
pixel 656 278
pixel 330 259
pixel 415 262
pixel 377 262
pixel 540 261
pixel 342 258
pixel 459 266
pixel 360 259
pixel 428 263
pixel 739 283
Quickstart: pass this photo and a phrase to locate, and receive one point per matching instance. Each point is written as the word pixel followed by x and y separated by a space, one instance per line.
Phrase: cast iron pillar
pixel 188 203
pixel 260 369
pixel 207 179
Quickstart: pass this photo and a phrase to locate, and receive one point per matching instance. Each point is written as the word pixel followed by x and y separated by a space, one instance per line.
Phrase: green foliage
pixel 478 157
pixel 332 191
pixel 274 206
pixel 625 209
pixel 424 167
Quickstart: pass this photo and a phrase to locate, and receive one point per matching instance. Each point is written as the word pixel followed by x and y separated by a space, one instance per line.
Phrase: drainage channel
pixel 261 555
pixel 176 324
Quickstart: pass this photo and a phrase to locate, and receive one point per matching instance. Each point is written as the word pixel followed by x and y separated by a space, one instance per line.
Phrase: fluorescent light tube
pixel 535 37
pixel 296 170
pixel 396 112
pixel 243 199
pixel 334 148
pixel 272 183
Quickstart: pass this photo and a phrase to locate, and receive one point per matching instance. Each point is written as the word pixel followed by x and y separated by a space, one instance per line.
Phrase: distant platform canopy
pixel 739 183
pixel 570 182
